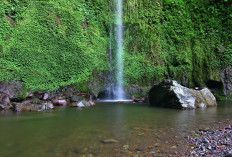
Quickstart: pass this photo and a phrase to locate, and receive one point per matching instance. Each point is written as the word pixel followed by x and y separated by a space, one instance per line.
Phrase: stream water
pixel 68 132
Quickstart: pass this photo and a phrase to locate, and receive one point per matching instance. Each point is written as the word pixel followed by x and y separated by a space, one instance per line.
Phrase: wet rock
pixel 13 89
pixel 27 101
pixel 171 94
pixel 6 107
pixel 21 107
pixel 173 147
pixel 46 106
pixel 4 99
pixel 36 101
pixel 80 104
pixel 140 100
pixel 214 142
pixel 126 147
pixel 228 153
pixel 140 149
pixel 109 141
pixel 45 96
pixel 38 95
pixel 214 152
pixel 83 103
pixel 226 77
pixel 60 102
pixel 92 103
pixel 75 98
pixel 5 102
pixel 152 152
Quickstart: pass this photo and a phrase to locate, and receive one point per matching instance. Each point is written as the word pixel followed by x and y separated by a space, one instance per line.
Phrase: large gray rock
pixel 171 94
pixel 24 106
pixel 5 101
pixel 21 107
pixel 13 89
pixel 226 77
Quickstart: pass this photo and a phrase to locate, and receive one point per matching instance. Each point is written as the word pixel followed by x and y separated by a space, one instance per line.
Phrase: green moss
pixel 55 43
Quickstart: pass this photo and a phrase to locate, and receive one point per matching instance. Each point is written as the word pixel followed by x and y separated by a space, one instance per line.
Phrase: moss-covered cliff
pixel 180 39
pixel 48 44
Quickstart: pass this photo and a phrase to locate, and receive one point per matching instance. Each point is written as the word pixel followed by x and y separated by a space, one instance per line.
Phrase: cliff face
pixel 48 44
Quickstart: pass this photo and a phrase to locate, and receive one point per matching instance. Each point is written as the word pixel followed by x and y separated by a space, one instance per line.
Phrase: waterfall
pixel 120 94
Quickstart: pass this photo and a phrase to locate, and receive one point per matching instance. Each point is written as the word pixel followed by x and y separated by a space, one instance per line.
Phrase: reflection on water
pixel 74 132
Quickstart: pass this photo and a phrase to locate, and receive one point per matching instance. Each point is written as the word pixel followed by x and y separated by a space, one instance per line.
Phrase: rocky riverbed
pixel 209 142
pixel 13 97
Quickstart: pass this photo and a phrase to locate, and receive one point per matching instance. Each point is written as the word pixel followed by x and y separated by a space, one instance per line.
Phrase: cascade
pixel 119 89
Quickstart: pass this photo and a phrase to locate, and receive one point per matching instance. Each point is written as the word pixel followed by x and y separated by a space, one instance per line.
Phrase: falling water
pixel 120 94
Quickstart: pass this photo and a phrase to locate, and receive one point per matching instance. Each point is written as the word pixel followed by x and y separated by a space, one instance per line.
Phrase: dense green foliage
pixel 186 40
pixel 53 43
pixel 47 44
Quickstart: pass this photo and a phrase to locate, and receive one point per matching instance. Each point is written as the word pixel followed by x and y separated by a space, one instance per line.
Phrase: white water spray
pixel 120 94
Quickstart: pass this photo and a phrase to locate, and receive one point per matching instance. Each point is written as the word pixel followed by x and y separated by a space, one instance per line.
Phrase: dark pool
pixel 138 128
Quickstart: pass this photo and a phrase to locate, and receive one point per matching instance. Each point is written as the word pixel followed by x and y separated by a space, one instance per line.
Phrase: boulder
pixel 46 106
pixel 5 102
pixel 60 102
pixel 21 107
pixel 4 99
pixel 5 107
pixel 226 77
pixel 80 104
pixel 13 89
pixel 171 94
pixel 84 103
pixel 75 98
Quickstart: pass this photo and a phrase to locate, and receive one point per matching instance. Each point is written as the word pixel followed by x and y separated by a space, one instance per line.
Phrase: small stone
pixel 109 141
pixel 228 153
pixel 152 152
pixel 173 147
pixel 214 152
pixel 176 153
pixel 149 147
pixel 136 128
pixel 139 149
pixel 126 147
pixel 206 141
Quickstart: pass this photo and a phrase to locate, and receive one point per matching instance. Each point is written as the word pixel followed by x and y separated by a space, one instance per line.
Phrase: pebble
pixel 228 153
pixel 139 149
pixel 173 147
pixel 152 152
pixel 214 142
pixel 109 141
pixel 126 146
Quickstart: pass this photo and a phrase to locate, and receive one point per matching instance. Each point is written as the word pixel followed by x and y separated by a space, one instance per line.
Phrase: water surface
pixel 78 132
